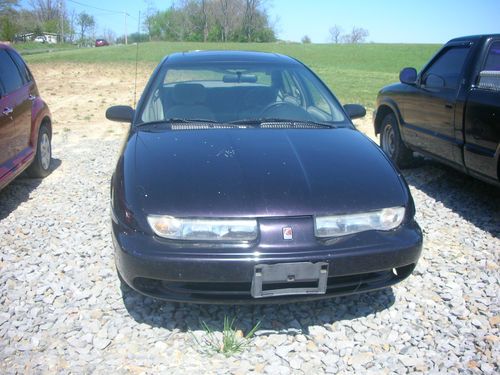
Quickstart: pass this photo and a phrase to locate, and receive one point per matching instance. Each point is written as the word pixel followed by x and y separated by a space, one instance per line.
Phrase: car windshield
pixel 239 92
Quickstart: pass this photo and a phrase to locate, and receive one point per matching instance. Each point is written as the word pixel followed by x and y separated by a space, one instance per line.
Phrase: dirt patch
pixel 79 94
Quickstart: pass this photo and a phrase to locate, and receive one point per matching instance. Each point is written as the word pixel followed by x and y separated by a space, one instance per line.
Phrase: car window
pixel 493 58
pixel 448 67
pixel 317 100
pixel 176 75
pixel 9 74
pixel 237 91
pixel 25 73
pixel 290 91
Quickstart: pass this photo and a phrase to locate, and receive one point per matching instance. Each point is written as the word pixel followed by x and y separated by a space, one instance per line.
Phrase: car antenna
pixel 137 56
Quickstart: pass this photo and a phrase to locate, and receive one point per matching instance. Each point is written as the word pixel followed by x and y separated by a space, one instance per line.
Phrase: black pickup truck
pixel 450 111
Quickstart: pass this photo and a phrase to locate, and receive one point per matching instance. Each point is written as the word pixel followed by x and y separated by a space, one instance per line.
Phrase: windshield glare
pixel 227 92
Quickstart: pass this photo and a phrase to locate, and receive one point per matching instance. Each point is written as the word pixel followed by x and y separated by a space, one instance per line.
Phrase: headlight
pixel 204 229
pixel 341 225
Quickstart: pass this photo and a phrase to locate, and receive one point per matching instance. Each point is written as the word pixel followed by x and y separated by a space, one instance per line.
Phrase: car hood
pixel 392 87
pixel 261 173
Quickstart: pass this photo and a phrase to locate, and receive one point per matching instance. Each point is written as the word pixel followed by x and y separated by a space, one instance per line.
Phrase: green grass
pixel 354 72
pixel 230 342
pixel 31 48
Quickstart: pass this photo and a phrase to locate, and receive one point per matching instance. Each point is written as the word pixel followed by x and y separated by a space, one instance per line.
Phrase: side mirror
pixel 120 113
pixel 408 76
pixel 355 111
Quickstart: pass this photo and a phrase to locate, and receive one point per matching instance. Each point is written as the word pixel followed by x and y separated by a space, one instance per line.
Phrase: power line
pixel 93 7
pixel 109 11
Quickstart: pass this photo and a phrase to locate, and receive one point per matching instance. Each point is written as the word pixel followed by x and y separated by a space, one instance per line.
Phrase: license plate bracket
pixel 281 279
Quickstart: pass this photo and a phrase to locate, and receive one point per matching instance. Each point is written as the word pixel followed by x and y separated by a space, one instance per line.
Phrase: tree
pixel 211 20
pixel 86 22
pixel 45 10
pixel 226 15
pixel 72 25
pixel 148 23
pixel 109 35
pixel 335 34
pixel 205 18
pixel 305 39
pixel 51 16
pixel 357 35
pixel 8 5
pixel 8 19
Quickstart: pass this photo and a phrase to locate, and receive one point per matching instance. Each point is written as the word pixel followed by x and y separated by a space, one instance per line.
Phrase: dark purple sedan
pixel 243 180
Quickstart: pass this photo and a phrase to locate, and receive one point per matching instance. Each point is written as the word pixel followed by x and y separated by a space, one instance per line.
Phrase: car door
pixel 482 116
pixel 11 107
pixel 429 108
pixel 27 94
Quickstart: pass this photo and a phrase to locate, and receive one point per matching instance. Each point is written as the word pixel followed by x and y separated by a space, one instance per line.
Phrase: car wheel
pixel 41 164
pixel 392 144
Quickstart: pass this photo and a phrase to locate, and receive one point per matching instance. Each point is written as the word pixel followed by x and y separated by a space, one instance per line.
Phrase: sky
pixel 387 21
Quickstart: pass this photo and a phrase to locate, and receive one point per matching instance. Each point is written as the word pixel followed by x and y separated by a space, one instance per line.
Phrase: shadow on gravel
pixel 472 199
pixel 19 190
pixel 290 318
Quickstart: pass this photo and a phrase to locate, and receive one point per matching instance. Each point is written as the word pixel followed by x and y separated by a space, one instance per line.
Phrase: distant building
pixel 50 38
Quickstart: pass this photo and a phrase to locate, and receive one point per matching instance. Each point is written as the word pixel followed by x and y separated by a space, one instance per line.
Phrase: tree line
pixel 44 16
pixel 337 35
pixel 185 20
pixel 356 35
pixel 211 21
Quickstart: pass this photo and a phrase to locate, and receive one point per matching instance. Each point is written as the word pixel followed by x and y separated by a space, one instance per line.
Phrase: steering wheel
pixel 285 110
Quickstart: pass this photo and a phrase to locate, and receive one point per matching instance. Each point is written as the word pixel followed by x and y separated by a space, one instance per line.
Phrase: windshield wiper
pixel 293 123
pixel 175 120
pixel 256 122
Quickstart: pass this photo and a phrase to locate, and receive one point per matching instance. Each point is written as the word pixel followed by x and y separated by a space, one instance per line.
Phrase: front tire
pixel 41 164
pixel 392 144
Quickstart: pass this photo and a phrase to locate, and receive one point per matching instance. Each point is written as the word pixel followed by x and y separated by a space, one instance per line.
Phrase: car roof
pixel 194 57
pixel 5 46
pixel 473 38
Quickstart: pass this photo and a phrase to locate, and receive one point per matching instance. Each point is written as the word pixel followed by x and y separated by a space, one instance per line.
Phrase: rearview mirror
pixel 408 76
pixel 239 78
pixel 120 113
pixel 355 111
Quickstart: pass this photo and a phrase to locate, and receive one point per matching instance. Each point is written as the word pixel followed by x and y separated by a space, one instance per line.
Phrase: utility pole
pixel 126 40
pixel 62 20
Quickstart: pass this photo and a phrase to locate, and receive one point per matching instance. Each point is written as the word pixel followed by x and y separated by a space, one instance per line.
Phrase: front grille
pixel 337 285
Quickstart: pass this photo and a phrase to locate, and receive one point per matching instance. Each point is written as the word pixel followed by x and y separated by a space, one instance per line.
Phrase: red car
pixel 101 43
pixel 25 121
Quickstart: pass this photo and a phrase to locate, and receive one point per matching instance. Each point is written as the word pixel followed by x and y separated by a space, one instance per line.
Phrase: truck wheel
pixel 392 144
pixel 41 164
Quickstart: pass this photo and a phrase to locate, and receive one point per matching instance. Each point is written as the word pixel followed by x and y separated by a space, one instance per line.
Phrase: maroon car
pixel 101 43
pixel 25 123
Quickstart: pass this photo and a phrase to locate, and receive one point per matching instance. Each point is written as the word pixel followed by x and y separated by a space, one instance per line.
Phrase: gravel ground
pixel 62 309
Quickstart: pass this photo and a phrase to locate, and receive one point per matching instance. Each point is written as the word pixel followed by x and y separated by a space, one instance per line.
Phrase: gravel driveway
pixel 62 309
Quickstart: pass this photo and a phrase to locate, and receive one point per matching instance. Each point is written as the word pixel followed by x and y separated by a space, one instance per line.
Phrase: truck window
pixel 489 77
pixel 448 67
pixel 493 58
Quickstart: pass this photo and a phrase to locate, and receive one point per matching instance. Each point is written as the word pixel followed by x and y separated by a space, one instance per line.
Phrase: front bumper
pixel 363 262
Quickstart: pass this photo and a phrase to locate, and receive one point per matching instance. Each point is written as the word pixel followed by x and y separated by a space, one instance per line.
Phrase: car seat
pixel 189 103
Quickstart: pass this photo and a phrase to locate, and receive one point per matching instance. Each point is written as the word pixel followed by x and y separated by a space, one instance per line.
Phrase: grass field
pixel 355 73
